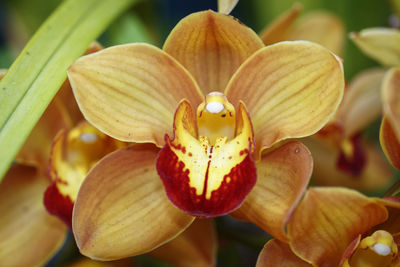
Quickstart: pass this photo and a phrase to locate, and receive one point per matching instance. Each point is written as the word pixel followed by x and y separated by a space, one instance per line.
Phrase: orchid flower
pixel 341 156
pixel 338 227
pixel 222 158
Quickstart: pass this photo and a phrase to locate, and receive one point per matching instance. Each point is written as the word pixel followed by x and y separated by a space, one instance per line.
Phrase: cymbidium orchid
pixel 216 160
pixel 338 227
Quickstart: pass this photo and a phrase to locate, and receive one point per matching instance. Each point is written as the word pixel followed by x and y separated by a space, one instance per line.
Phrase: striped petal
pixel 196 246
pixel 211 46
pixel 277 253
pixel 282 177
pixel 327 220
pixel 122 210
pixel 381 44
pixel 29 236
pixel 291 90
pixel 130 91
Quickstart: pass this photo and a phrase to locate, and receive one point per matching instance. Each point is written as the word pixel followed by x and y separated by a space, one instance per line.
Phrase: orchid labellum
pixel 212 104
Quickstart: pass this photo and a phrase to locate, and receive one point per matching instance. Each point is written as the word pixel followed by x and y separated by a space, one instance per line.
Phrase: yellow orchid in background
pixel 341 156
pixel 25 222
pixel 338 227
pixel 390 127
pixel 381 44
pixel 214 161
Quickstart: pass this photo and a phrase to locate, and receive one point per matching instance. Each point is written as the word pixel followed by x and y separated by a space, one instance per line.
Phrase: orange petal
pixel 36 150
pixel 276 253
pixel 381 44
pixel 122 209
pixel 282 177
pixel 362 103
pixel 313 27
pixel 29 236
pixel 291 90
pixel 375 176
pixel 202 179
pixel 279 29
pixel 226 6
pixel 73 154
pixel 392 224
pixel 327 220
pixel 389 142
pixel 130 91
pixel 211 46
pixel 391 98
pixel 196 246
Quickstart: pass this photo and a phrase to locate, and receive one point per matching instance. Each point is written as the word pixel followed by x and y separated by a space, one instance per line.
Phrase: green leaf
pixel 40 69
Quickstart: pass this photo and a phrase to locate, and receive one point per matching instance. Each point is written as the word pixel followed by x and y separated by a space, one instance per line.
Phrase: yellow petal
pixel 226 6
pixel 279 29
pixel 375 176
pixel 282 177
pixel 122 209
pixel 130 91
pixel 196 246
pixel 211 46
pixel 327 220
pixel 73 154
pixel 361 103
pixel 277 253
pixel 322 28
pixel 389 142
pixel 291 90
pixel 29 236
pixel 381 44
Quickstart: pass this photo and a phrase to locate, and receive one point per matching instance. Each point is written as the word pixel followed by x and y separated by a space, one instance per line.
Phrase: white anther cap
pixel 382 249
pixel 88 137
pixel 214 107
